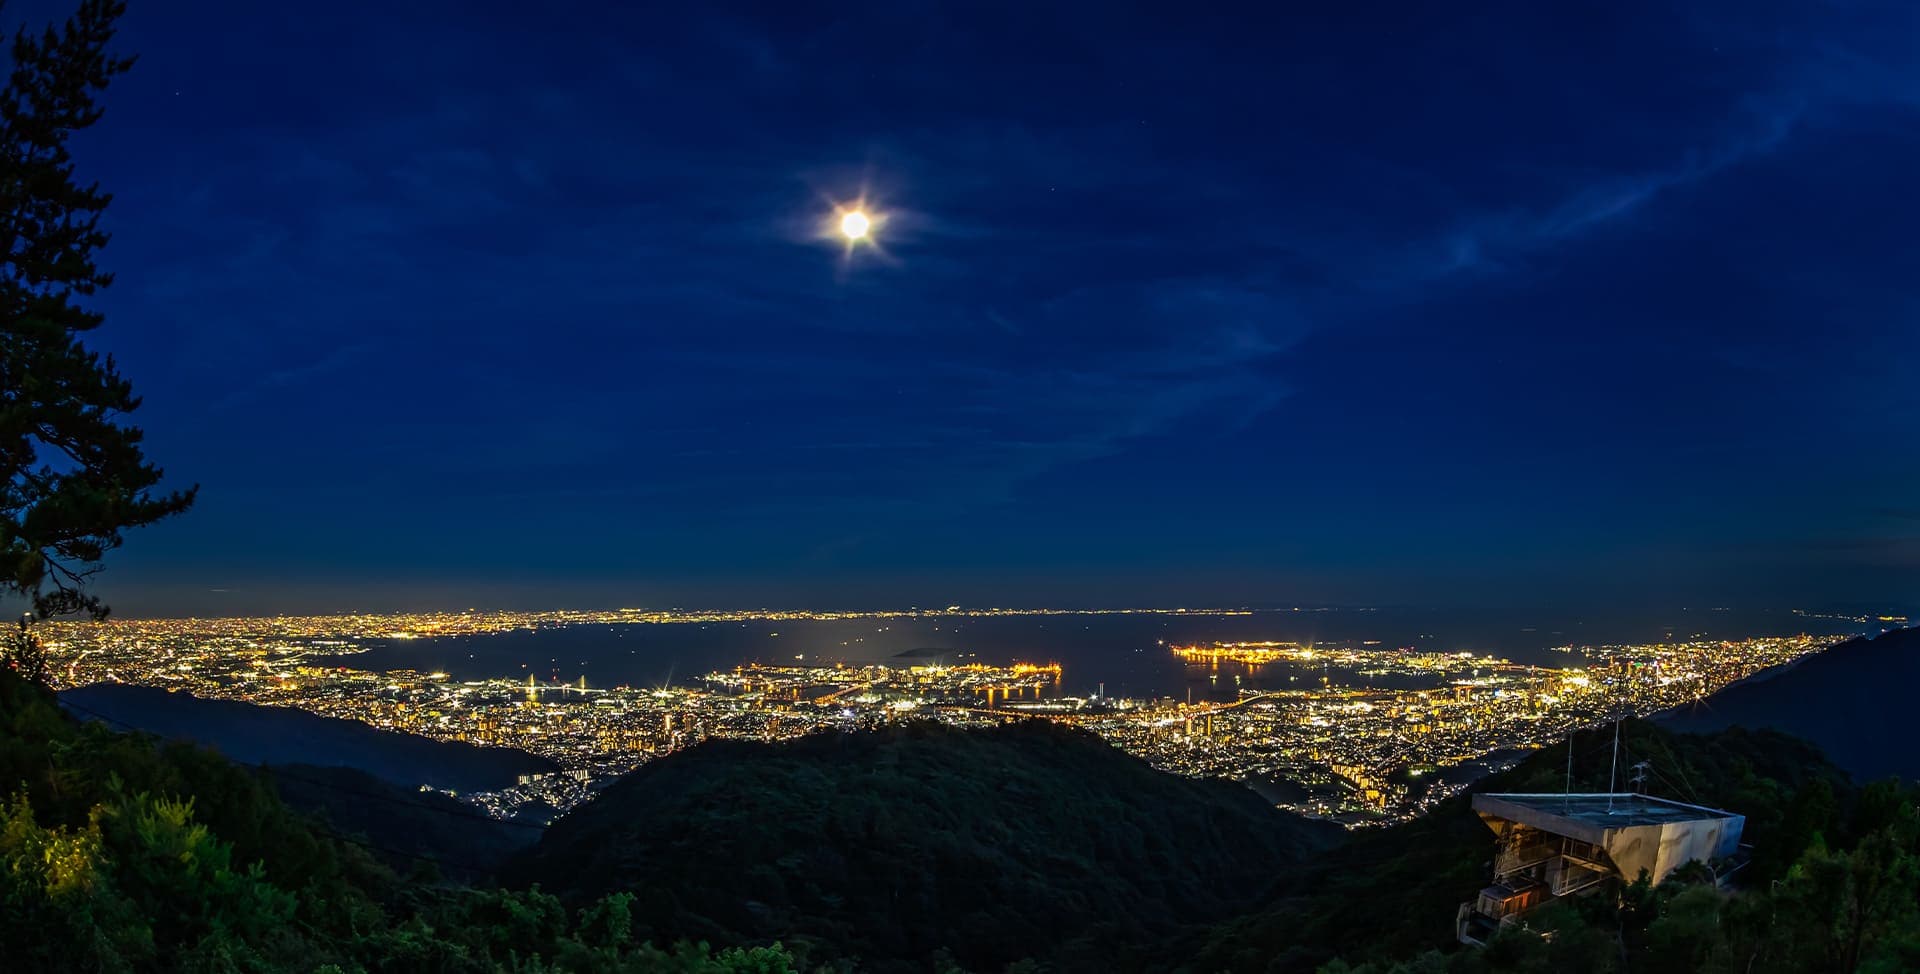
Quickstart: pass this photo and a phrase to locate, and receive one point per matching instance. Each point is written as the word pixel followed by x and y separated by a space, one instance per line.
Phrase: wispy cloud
pixel 1489 242
pixel 272 380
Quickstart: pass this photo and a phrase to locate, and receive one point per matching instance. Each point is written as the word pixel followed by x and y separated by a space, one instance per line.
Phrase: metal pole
pixel 1613 773
pixel 1567 802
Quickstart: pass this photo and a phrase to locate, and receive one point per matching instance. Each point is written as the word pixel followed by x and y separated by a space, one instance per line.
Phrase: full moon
pixel 854 225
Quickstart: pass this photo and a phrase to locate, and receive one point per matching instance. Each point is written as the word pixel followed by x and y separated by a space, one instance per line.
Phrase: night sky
pixel 451 304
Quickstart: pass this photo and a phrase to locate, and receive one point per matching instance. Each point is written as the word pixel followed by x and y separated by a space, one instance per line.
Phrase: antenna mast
pixel 1566 804
pixel 1613 773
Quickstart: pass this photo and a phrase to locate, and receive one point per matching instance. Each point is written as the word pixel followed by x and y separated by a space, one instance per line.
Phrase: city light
pixel 1348 739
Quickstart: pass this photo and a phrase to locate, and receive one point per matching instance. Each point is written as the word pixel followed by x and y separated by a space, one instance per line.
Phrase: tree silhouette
pixel 75 475
pixel 22 653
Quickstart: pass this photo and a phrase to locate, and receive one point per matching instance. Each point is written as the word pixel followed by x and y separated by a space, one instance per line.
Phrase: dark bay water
pixel 1128 653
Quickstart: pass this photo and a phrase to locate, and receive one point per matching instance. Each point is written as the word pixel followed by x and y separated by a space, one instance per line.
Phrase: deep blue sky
pixel 509 303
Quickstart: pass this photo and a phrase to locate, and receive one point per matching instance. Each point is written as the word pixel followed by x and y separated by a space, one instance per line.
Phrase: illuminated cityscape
pixel 1357 732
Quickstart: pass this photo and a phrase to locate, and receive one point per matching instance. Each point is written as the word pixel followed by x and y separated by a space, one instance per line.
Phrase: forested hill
pixel 1834 884
pixel 122 852
pixel 1855 701
pixel 1026 840
pixel 405 826
pixel 921 848
pixel 253 734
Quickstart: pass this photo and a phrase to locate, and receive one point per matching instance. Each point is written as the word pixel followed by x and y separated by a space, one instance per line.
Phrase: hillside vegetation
pixel 411 826
pixel 121 853
pixel 1834 884
pixel 922 848
pixel 894 847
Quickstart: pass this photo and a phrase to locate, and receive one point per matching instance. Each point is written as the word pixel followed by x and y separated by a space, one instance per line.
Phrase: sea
pixel 1120 655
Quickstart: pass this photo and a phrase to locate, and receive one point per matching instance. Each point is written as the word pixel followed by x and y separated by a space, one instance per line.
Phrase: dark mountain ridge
pixel 1852 701
pixel 1025 840
pixel 253 734
pixel 401 826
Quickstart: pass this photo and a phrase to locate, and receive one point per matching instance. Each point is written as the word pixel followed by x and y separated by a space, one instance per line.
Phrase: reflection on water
pixel 1125 655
